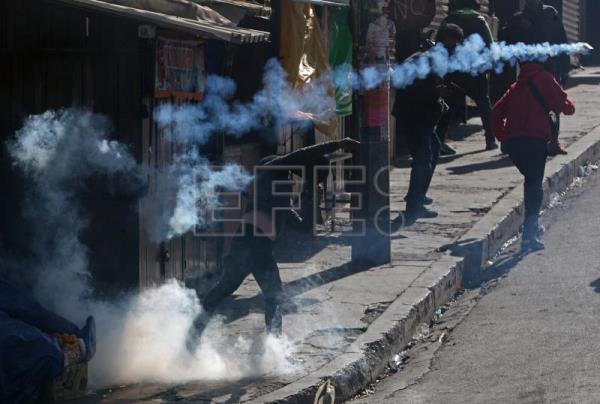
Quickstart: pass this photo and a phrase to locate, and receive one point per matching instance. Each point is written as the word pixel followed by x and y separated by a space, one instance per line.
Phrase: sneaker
pixel 555 148
pixel 426 201
pixel 423 213
pixel 531 244
pixel 446 150
pixel 491 145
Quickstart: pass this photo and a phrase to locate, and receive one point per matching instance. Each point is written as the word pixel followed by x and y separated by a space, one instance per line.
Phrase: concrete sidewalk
pixel 343 323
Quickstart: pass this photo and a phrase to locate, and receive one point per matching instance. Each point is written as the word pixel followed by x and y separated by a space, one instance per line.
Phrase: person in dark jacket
pixel 521 123
pixel 467 17
pixel 36 345
pixel 539 23
pixel 418 109
pixel 251 252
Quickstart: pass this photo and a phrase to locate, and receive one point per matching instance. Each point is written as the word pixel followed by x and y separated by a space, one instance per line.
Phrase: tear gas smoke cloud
pixel 198 190
pixel 141 336
pixel 144 340
pixel 276 103
pixel 57 150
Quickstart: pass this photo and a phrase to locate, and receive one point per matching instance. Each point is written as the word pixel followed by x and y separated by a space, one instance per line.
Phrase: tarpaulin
pixel 29 355
pixel 340 59
pixel 304 57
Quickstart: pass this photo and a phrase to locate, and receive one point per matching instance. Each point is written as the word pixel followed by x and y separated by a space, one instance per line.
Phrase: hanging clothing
pixel 304 58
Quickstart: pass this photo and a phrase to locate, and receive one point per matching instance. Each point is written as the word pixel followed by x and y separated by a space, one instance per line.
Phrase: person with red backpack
pixel 522 122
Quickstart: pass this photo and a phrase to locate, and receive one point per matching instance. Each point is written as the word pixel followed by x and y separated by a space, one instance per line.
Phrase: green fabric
pixel 340 60
pixel 469 13
pixel 466 13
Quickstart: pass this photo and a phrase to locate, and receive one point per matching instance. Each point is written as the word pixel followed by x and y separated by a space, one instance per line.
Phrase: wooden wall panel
pixel 49 62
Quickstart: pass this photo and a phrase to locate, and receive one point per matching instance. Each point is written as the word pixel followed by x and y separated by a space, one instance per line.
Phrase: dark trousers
pixel 250 254
pixel 478 89
pixel 529 155
pixel 424 148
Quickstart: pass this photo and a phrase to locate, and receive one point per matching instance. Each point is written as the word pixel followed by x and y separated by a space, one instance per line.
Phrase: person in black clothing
pixel 467 17
pixel 539 23
pixel 252 251
pixel 418 109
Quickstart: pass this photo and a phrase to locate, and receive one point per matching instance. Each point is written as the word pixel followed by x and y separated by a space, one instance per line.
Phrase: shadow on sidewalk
pixel 297 247
pixel 235 391
pixel 578 80
pixel 463 131
pixel 406 161
pixel 496 164
pixel 235 309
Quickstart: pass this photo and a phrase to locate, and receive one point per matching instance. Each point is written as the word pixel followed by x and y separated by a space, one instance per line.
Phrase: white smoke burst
pixel 144 340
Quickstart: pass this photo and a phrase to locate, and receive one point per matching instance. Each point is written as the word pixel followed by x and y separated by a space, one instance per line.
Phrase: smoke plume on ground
pixel 143 339
pixel 141 336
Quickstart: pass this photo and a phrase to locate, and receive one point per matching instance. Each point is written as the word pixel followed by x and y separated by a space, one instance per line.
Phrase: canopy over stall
pixel 180 15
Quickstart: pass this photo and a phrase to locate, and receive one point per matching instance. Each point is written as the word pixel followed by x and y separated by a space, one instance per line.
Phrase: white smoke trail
pixel 280 103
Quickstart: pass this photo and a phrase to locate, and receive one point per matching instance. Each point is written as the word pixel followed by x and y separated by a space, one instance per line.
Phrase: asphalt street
pixel 535 337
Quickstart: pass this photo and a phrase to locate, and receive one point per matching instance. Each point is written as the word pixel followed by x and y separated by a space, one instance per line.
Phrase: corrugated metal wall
pixel 571 14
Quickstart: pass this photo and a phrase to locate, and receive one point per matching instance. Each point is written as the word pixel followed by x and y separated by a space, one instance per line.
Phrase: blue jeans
pixel 424 148
pixel 529 156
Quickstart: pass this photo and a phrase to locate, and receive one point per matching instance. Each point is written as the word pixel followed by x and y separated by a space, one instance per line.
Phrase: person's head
pixel 473 4
pixel 533 3
pixel 450 35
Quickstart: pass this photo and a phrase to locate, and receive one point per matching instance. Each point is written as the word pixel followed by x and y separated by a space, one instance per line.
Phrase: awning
pixel 339 3
pixel 236 10
pixel 251 8
pixel 206 25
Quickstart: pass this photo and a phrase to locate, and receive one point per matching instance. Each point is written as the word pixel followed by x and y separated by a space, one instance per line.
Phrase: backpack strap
pixel 540 99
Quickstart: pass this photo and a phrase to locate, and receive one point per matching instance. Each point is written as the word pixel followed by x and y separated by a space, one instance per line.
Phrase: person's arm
pixel 499 113
pixel 308 154
pixel 554 95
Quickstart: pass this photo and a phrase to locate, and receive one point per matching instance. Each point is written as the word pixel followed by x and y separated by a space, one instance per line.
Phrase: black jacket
pixel 539 25
pixel 419 105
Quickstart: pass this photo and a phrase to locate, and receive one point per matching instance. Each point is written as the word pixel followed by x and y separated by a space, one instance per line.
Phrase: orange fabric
pixel 304 57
